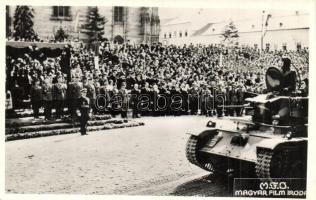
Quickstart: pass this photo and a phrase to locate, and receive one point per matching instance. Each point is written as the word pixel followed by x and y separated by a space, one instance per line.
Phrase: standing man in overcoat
pixel 84 111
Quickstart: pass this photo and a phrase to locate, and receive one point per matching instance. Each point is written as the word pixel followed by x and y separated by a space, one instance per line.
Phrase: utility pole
pixel 261 42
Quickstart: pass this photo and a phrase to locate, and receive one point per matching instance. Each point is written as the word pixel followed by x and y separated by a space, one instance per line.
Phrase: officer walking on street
pixel 85 111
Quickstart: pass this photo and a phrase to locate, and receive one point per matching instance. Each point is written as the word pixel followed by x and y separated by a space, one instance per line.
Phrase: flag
pixel 221 60
pixel 96 62
pixel 77 21
pixel 267 18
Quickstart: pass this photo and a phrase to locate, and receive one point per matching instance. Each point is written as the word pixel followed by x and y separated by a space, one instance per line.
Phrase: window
pixel 175 34
pixel 61 12
pixel 118 14
pixel 169 35
pixel 180 34
pixel 252 26
pixel 267 46
pixel 165 36
pixel 298 46
pixel 281 24
pixel 256 46
pixel 297 12
pixel 284 46
pixel 275 47
pixel 186 34
pixel 213 29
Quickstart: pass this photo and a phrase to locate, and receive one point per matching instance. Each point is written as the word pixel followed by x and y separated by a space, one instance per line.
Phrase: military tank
pixel 270 141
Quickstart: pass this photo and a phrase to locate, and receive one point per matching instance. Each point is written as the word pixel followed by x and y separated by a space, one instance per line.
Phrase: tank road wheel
pixel 202 160
pixel 282 163
pixel 298 169
pixel 278 165
pixel 194 156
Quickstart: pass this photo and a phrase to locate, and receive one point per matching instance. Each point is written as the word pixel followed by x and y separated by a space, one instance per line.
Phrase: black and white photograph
pixel 154 100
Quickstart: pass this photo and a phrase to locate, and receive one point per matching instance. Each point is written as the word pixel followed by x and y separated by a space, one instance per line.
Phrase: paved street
pixel 146 160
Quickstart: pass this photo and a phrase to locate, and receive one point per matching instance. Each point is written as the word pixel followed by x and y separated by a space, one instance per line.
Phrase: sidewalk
pixel 28 127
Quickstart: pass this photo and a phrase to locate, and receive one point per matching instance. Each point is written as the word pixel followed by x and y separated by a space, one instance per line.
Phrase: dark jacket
pixel 36 93
pixel 289 81
pixel 47 92
pixel 59 91
pixel 84 107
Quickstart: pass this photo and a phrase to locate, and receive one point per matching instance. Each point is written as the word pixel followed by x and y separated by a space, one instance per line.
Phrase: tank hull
pixel 249 153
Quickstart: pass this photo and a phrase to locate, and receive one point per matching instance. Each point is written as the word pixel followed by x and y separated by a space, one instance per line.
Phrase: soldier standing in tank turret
pixel 84 111
pixel 289 77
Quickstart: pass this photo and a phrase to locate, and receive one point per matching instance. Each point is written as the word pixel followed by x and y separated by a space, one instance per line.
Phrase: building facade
pixel 133 24
pixel 290 32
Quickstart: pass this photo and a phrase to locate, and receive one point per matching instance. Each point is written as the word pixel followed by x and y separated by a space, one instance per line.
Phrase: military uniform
pixel 289 77
pixel 134 101
pixel 47 100
pixel 84 108
pixel 240 101
pixel 219 102
pixel 59 95
pixel 146 106
pixel 91 94
pixel 124 104
pixel 36 99
pixel 104 99
pixel 73 94
pixel 194 101
pixel 289 82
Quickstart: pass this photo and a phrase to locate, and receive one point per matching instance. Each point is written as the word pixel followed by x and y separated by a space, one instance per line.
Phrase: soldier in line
pixel 134 101
pixel 184 93
pixel 91 93
pixel 47 98
pixel 194 99
pixel 124 97
pixel 240 100
pixel 220 101
pixel 36 97
pixel 73 94
pixel 175 91
pixel 104 99
pixel 208 99
pixel 97 86
pixel 59 94
pixel 114 104
pixel 203 100
pixel 147 92
pixel 84 113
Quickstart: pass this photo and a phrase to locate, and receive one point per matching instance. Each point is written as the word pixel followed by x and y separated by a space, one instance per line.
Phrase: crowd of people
pixel 150 80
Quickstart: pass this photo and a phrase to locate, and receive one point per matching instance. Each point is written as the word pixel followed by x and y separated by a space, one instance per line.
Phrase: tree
pixel 23 23
pixel 60 35
pixel 95 25
pixel 230 33
pixel 8 21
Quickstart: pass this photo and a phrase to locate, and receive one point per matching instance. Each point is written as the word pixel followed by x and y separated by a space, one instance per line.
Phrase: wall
pixel 46 27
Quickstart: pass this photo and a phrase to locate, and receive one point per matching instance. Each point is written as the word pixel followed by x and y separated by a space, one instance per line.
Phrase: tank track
pixel 192 156
pixel 191 149
pixel 264 166
pixel 264 158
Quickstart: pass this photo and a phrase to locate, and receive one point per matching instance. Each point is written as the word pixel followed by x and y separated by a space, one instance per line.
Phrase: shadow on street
pixel 209 185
